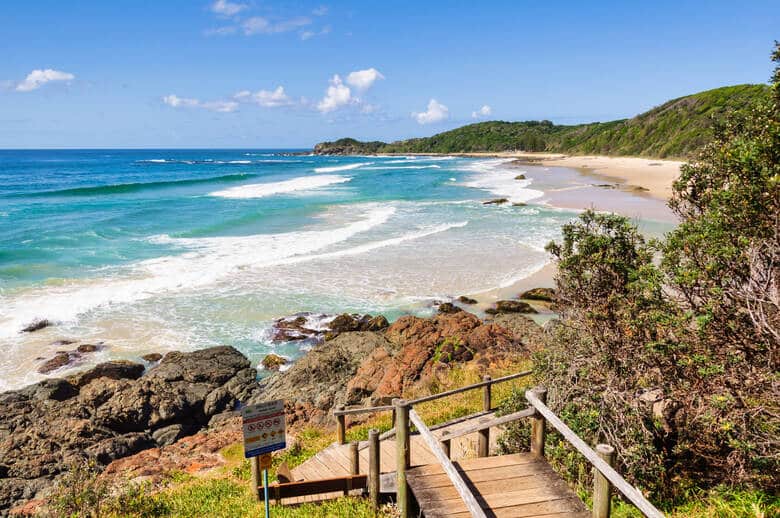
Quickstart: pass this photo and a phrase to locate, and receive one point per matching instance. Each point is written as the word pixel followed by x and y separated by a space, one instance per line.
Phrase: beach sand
pixel 654 175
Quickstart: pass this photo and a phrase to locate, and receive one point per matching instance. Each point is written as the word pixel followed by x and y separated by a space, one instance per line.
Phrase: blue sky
pixel 208 74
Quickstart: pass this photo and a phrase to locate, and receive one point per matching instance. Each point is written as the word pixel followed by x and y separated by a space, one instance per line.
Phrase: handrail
pixel 629 491
pixel 385 408
pixel 449 468
pixel 468 387
pixel 496 421
pixel 362 410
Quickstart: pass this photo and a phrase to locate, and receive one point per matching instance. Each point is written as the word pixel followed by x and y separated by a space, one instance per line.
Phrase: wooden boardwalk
pixel 504 486
pixel 508 485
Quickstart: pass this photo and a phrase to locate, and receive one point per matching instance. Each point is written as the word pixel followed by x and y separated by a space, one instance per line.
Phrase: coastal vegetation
pixel 679 128
pixel 668 349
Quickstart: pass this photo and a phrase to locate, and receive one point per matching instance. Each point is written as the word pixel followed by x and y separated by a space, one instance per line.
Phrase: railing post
pixel 537 425
pixel 445 443
pixel 373 468
pixel 402 456
pixel 354 464
pixel 341 430
pixel 483 444
pixel 602 489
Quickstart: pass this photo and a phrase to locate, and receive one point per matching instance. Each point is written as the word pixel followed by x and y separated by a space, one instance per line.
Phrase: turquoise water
pixel 156 250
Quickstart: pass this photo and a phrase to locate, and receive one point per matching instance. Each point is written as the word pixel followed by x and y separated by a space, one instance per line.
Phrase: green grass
pixel 676 129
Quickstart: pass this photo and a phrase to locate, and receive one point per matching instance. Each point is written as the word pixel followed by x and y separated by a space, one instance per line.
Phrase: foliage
pixel 677 128
pixel 669 350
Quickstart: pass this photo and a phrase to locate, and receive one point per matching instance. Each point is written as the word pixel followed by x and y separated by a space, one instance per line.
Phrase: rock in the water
pixel 496 201
pixel 520 177
pixel 59 360
pixel 544 294
pixel 152 357
pixel 88 348
pixel 511 306
pixel 272 362
pixel 448 307
pixel 37 325
pixel 466 300
pixel 519 204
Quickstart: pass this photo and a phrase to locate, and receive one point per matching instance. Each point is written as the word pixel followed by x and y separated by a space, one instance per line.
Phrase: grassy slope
pixel 676 129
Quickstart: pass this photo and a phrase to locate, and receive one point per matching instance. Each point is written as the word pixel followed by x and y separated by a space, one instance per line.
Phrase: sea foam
pixel 261 190
pixel 491 176
pixel 336 168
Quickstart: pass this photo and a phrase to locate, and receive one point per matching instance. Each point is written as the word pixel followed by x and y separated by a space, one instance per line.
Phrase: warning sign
pixel 264 428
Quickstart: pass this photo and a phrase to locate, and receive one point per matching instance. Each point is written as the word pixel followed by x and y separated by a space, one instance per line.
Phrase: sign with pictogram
pixel 264 428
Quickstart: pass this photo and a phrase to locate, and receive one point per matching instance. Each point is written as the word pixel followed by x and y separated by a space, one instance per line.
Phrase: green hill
pixel 676 129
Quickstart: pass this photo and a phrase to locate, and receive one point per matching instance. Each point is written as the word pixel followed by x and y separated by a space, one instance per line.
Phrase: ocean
pixel 159 250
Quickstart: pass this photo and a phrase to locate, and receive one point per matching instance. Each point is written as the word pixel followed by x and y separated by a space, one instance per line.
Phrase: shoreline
pixel 653 177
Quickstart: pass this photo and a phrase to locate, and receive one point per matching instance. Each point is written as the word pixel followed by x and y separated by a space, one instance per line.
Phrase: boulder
pixel 543 294
pixel 448 307
pixel 88 348
pixel 466 300
pixel 152 357
pixel 511 306
pixel 520 177
pixel 272 362
pixel 496 201
pixel 59 360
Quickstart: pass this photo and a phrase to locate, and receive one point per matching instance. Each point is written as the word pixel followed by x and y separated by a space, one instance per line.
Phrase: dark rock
pixel 544 294
pixel 448 307
pixel 344 323
pixel 112 411
pixel 116 370
pixel 272 362
pixel 152 357
pixel 520 177
pixel 511 306
pixel 59 343
pixel 88 348
pixel 37 325
pixel 496 201
pixel 169 434
pixel 519 204
pixel 606 185
pixel 376 323
pixel 523 329
pixel 61 359
pixel 466 300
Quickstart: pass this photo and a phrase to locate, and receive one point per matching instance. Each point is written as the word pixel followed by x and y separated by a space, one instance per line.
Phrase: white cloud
pixel 225 8
pixel 337 95
pixel 305 35
pixel 485 111
pixel 364 79
pixel 266 98
pixel 261 25
pixel 38 78
pixel 184 102
pixel 436 112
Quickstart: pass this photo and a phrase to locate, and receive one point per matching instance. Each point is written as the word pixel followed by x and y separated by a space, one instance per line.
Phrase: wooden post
pixel 354 464
pixel 402 456
pixel 373 468
pixel 537 426
pixel 602 489
pixel 483 444
pixel 341 430
pixel 254 469
pixel 446 443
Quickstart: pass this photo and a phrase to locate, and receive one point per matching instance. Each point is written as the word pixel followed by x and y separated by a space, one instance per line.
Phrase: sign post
pixel 264 432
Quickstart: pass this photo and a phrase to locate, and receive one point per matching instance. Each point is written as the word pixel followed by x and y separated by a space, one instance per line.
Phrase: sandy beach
pixel 654 177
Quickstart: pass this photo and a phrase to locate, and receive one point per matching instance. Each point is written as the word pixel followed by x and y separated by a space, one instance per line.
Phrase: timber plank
pixel 564 507
pixel 486 487
pixel 479 463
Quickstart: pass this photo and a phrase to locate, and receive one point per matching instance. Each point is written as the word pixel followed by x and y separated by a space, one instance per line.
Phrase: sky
pixel 256 74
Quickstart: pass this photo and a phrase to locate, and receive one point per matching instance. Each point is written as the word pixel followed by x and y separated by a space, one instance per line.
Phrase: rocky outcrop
pixel 448 307
pixel 496 201
pixel 67 358
pixel 112 411
pixel 420 344
pixel 523 329
pixel 314 329
pixel 466 300
pixel 317 382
